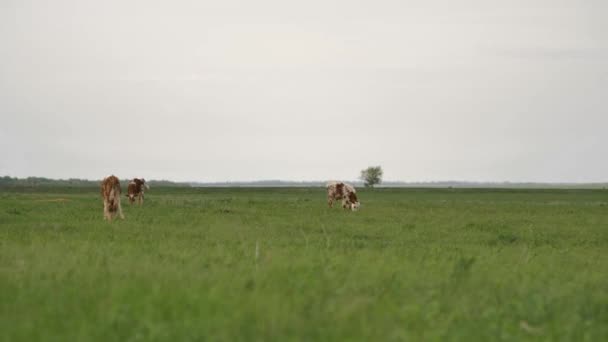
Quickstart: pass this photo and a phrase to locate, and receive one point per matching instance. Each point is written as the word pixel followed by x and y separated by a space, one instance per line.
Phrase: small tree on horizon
pixel 371 176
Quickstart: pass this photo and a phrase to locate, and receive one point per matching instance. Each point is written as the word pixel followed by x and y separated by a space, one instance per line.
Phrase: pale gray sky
pixel 488 90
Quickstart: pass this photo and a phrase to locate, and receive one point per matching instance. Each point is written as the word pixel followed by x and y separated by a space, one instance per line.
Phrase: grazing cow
pixel 110 192
pixel 135 189
pixel 342 191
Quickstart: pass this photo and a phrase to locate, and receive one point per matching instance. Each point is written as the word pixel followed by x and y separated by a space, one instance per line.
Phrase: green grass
pixel 277 264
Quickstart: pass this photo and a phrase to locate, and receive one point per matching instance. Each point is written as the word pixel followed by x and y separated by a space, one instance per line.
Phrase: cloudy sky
pixel 310 90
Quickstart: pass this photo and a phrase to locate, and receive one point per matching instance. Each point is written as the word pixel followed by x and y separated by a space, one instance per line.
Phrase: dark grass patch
pixel 505 238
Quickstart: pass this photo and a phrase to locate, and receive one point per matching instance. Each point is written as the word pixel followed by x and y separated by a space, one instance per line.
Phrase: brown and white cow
pixel 110 192
pixel 135 189
pixel 342 191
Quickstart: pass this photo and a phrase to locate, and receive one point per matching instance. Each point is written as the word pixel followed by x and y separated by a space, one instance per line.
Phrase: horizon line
pixel 191 182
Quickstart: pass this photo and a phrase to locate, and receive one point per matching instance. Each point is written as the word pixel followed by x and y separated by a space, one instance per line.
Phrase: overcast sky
pixel 310 90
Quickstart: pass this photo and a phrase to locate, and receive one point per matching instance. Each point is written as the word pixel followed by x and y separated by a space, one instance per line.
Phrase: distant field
pixel 277 264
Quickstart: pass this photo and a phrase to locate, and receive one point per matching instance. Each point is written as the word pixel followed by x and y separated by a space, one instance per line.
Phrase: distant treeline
pixel 397 184
pixel 258 184
pixel 31 182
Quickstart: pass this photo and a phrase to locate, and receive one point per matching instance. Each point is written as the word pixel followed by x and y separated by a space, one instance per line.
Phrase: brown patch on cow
pixel 340 188
pixel 352 197
pixel 131 191
pixel 334 192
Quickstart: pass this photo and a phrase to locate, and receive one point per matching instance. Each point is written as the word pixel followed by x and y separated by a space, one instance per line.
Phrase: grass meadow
pixel 278 265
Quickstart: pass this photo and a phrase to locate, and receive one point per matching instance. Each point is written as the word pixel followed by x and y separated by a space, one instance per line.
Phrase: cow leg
pixel 343 204
pixel 330 202
pixel 120 209
pixel 112 210
pixel 106 214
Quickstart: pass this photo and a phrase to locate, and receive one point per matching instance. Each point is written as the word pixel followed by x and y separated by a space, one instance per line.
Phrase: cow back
pixel 108 184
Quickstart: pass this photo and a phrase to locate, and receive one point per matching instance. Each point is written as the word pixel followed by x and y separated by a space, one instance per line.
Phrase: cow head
pixel 143 182
pixel 353 201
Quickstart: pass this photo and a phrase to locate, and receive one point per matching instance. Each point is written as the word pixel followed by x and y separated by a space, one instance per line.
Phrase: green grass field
pixel 277 264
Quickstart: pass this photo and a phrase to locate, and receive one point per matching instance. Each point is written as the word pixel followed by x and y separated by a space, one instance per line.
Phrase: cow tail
pixel 112 199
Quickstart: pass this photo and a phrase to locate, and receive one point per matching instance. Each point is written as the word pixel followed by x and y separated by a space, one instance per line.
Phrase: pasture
pixel 277 264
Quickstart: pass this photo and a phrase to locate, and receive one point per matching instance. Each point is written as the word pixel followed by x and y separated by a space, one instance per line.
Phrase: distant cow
pixel 135 189
pixel 110 192
pixel 342 191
